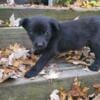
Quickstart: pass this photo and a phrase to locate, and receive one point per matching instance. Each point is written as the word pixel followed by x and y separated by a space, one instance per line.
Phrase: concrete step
pixel 40 88
pixel 63 14
pixel 13 35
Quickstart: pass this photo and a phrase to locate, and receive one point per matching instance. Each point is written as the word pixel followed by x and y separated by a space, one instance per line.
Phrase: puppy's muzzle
pixel 40 45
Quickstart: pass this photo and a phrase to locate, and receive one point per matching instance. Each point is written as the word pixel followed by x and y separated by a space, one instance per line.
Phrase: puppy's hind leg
pixel 95 47
pixel 95 66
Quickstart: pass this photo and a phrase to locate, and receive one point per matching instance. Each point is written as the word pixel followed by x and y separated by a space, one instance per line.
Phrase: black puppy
pixel 51 37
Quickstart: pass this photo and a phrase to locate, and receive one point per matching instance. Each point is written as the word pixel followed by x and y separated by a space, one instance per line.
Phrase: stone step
pixel 40 88
pixel 13 35
pixel 61 14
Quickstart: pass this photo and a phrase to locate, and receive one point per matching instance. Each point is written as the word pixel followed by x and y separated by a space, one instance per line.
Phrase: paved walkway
pixel 28 6
pixel 32 7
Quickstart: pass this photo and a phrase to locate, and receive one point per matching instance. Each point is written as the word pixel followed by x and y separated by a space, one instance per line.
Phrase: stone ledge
pixel 40 88
pixel 66 73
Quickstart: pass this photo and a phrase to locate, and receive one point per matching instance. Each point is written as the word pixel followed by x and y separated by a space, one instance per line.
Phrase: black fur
pixel 50 37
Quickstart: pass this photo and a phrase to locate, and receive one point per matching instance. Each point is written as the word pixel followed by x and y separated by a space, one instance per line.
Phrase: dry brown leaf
pixel 5 52
pixel 97 87
pixel 17 63
pixel 6 74
pixel 78 62
pixel 79 93
pixel 83 57
pixel 20 65
pixel 29 62
pixel 77 90
pixel 16 47
pixel 70 97
pixel 63 94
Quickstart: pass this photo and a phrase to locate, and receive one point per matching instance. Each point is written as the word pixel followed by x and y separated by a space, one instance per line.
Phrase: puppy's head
pixel 41 30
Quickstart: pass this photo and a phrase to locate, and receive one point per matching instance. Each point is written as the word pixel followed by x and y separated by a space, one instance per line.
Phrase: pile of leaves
pixel 77 92
pixel 87 3
pixel 82 57
pixel 15 60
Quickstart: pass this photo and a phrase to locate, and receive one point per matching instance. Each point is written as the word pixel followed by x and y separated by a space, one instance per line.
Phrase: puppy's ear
pixel 55 25
pixel 24 22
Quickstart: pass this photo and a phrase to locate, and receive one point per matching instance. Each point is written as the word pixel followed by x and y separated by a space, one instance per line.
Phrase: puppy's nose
pixel 40 45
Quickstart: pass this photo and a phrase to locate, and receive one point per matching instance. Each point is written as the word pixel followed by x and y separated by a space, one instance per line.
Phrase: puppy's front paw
pixel 30 73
